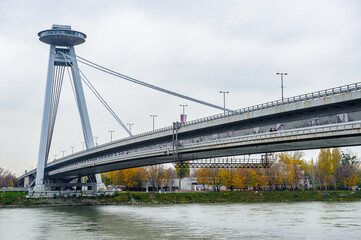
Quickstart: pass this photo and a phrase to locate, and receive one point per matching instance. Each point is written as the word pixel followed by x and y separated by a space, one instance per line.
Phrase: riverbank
pixel 13 200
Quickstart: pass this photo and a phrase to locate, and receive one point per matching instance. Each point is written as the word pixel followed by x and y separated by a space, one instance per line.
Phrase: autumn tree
pixel 312 173
pixel 252 179
pixel 203 177
pixel 325 168
pixel 240 178
pixel 7 179
pixel 228 177
pixel 169 177
pixel 108 178
pixel 346 176
pixel 156 175
pixel 274 176
pixel 263 179
pixel 214 179
pixel 347 172
pixel 133 177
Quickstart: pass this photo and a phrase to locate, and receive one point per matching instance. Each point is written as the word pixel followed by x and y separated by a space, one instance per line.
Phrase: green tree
pixel 349 158
pixel 182 172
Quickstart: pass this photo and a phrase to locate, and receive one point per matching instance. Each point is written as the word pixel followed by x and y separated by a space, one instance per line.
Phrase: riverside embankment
pixel 13 200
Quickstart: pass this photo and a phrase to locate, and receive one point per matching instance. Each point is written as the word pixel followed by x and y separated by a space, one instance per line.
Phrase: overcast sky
pixel 196 48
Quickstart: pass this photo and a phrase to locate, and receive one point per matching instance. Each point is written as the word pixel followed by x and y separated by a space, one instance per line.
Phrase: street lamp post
pixel 96 140
pixel 224 100
pixel 153 116
pixel 55 155
pixel 111 135
pixel 183 119
pixel 83 143
pixel 72 149
pixel 282 74
pixel 63 151
pixel 130 127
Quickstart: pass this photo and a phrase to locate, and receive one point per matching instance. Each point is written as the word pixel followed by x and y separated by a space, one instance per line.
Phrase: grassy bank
pixel 20 200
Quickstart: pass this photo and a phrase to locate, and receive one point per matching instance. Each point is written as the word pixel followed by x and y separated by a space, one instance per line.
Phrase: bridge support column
pixel 45 139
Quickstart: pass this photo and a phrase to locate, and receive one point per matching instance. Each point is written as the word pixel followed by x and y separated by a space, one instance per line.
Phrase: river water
pixel 306 220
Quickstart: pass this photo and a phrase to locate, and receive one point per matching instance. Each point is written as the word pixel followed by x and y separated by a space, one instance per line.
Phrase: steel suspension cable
pixel 105 104
pixel 97 94
pixel 109 71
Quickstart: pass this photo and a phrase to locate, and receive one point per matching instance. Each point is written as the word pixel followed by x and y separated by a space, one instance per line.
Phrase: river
pixel 305 220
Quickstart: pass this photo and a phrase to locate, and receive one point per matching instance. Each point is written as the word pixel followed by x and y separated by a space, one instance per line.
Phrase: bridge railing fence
pixel 291 100
pixel 285 133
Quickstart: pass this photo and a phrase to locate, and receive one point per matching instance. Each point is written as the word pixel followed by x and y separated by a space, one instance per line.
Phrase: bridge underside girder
pixel 219 151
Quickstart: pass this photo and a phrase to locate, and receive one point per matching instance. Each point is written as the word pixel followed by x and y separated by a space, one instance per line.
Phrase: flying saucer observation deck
pixel 62 36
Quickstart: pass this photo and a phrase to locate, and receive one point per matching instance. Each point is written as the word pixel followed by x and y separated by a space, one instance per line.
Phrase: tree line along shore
pixel 18 199
pixel 332 170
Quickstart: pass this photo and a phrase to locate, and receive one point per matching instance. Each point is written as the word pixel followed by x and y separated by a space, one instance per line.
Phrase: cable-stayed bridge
pixel 327 118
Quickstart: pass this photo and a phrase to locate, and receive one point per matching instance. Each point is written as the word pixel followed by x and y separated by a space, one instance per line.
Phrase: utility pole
pixel 282 74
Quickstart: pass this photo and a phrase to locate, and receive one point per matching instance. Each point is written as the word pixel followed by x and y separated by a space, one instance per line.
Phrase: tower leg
pixel 44 137
pixel 84 117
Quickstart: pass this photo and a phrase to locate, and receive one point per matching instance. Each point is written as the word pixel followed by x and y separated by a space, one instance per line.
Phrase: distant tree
pixel 182 172
pixel 169 177
pixel 7 179
pixel 228 177
pixel 240 178
pixel 214 179
pixel 253 180
pixel 286 164
pixel 156 175
pixel 263 179
pixel 349 158
pixel 203 177
pixel 325 168
pixel 133 177
pixel 312 173
pixel 274 176
pixel 336 157
pixel 346 176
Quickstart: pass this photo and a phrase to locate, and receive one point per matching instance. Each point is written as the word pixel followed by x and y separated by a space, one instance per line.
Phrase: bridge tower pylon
pixel 62 40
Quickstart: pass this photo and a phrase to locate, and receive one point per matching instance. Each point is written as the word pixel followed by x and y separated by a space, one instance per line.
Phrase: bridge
pixel 326 118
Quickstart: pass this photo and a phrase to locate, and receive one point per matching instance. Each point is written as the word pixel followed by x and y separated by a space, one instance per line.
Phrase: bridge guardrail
pixel 285 133
pixel 291 100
